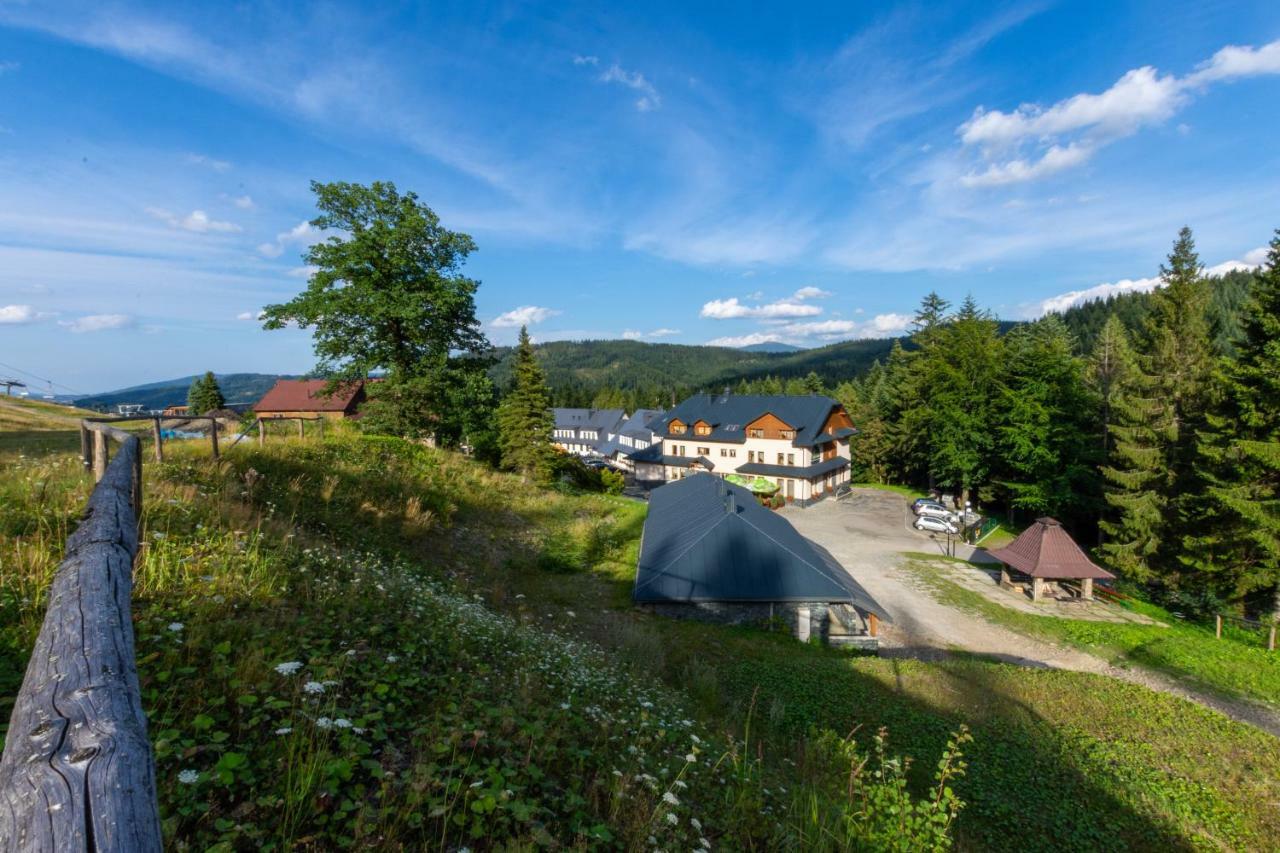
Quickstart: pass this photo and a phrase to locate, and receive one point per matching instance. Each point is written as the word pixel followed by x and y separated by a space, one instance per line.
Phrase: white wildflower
pixel 392 658
pixel 672 818
pixel 670 799
pixel 342 723
pixel 697 824
pixel 691 758
pixel 564 706
pixel 313 687
pixel 189 777
pixel 477 783
pixel 289 667
pixel 324 723
pixel 284 730
pixel 175 626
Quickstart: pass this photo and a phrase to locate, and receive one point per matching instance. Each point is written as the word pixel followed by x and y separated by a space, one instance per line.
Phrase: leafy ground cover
pixel 329 658
pixel 1236 665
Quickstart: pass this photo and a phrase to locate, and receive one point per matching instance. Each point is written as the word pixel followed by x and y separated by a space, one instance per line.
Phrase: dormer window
pixel 701 428
pixel 787 433
pixel 755 432
pixel 678 428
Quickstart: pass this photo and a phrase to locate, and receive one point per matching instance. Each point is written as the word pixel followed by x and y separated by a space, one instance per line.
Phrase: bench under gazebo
pixel 1046 552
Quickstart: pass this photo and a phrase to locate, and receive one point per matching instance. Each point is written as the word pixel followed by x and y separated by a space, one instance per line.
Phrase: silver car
pixel 936 524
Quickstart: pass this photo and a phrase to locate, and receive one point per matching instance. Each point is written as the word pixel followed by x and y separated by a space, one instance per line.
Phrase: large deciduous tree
pixel 387 295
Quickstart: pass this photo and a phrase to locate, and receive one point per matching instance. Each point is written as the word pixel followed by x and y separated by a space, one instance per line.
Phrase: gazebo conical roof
pixel 1046 550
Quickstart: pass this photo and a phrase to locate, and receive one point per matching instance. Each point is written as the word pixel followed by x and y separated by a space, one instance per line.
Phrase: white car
pixel 935 524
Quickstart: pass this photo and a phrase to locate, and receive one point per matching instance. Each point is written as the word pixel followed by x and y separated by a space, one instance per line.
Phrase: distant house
pixel 583 432
pixel 174 411
pixel 293 398
pixel 710 551
pixel 631 435
pixel 798 443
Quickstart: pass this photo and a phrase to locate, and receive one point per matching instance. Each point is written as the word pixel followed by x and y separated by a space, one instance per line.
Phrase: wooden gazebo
pixel 1044 551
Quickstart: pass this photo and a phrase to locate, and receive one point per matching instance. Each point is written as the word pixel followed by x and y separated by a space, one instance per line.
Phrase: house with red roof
pixel 306 398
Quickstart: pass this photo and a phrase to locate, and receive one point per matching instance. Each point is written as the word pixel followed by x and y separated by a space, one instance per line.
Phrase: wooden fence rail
pixel 77 772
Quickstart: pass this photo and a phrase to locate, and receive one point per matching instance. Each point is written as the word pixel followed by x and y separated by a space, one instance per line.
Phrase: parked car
pixel 935 511
pixel 596 463
pixel 936 524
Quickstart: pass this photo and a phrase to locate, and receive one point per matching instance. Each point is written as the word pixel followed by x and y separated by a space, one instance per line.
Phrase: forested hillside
pixel 237 388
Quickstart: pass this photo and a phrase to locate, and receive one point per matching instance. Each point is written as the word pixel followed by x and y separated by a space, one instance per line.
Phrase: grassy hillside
pixel 236 387
pixel 365 642
pixel 36 425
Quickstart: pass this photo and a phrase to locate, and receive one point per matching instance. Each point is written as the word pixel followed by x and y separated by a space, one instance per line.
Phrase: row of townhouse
pixel 800 443
pixel 608 434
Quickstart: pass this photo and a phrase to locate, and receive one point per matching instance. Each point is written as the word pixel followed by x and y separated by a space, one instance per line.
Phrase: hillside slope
pixel 237 388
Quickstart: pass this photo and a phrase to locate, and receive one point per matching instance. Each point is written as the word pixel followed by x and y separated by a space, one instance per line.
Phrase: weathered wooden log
pixel 77 773
pixel 213 436
pixel 86 446
pixel 158 438
pixel 99 455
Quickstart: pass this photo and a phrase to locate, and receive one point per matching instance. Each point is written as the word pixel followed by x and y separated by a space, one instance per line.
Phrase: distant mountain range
pixel 770 346
pixel 237 388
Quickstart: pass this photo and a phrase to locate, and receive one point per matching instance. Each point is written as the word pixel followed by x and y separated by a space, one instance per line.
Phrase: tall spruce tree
pixel 1151 475
pixel 1235 542
pixel 205 395
pixel 1110 372
pixel 524 416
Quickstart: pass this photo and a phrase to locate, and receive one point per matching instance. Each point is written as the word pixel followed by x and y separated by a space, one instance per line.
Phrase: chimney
pixel 731 504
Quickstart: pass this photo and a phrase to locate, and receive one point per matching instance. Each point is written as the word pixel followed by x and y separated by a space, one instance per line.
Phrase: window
pixel 724 451
pixel 755 432
pixel 702 429
pixel 787 433
pixel 733 452
pixel 704 451
pixel 677 429
pixel 791 459
pixel 782 458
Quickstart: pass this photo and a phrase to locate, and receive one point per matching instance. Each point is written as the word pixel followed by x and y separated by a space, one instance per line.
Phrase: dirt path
pixel 868 534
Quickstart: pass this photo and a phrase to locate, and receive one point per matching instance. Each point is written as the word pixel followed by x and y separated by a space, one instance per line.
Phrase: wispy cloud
pixel 1068 133
pixel 196 221
pixel 97 323
pixel 649 98
pixel 820 332
pixel 810 292
pixel 243 202
pixel 525 315
pixel 635 335
pixel 209 162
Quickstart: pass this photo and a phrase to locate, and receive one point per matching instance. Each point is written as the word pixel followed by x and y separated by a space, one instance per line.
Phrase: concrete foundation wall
pixel 818 615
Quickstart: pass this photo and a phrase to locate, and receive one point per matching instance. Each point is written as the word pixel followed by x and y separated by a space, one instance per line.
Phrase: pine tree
pixel 1110 371
pixel 524 416
pixel 1236 540
pixel 205 395
pixel 813 384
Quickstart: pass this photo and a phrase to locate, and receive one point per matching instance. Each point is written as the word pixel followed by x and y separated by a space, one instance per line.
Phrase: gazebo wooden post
pixel 873 624
pixel 1086 589
pixel 300 424
pixel 262 433
pixel 1037 588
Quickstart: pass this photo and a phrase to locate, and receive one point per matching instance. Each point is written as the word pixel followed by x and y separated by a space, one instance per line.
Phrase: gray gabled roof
pixel 729 414
pixel 708 540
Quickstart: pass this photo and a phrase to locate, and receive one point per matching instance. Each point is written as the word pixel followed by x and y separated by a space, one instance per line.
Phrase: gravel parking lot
pixel 868 533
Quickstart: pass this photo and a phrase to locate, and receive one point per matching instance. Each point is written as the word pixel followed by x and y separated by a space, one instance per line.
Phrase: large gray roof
pixel 708 540
pixel 729 414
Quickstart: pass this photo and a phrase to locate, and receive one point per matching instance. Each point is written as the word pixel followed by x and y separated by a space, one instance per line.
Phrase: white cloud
pixel 732 309
pixel 305 271
pixel 243 202
pixel 250 315
pixel 97 323
pixel 525 315
pixel 1068 133
pixel 890 323
pixel 301 234
pixel 634 335
pixel 1061 302
pixel 820 332
pixel 197 221
pixel 16 314
pixel 208 162
pixel 810 293
pixel 649 98
pixel 1233 62
pixel 586 60
pixel 751 339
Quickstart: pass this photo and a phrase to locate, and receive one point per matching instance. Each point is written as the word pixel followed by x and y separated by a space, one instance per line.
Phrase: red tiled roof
pixel 307 395
pixel 1045 550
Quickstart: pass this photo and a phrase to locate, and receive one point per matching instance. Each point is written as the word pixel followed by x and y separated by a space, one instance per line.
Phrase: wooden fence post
pixel 262 433
pixel 136 491
pixel 213 435
pixel 1217 625
pixel 300 424
pixel 155 434
pixel 86 446
pixel 99 455
pixel 1271 638
pixel 320 425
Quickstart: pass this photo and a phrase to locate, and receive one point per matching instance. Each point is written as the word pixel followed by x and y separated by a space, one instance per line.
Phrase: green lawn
pixel 906 491
pixel 1237 665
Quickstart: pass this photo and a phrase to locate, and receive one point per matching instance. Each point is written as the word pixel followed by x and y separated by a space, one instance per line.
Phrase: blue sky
pixel 676 172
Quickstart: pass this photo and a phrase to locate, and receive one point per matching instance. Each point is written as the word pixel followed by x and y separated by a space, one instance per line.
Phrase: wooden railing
pixel 77 772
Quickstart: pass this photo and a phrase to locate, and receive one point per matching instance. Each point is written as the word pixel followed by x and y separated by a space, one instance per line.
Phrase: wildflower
pixel 672 818
pixel 175 626
pixel 158 535
pixel 189 777
pixel 477 783
pixel 324 723
pixel 670 799
pixel 284 730
pixel 392 658
pixel 313 687
pixel 704 843
pixel 681 784
pixel 697 824
pixel 564 706
pixel 288 667
pixel 691 758
pixel 342 723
